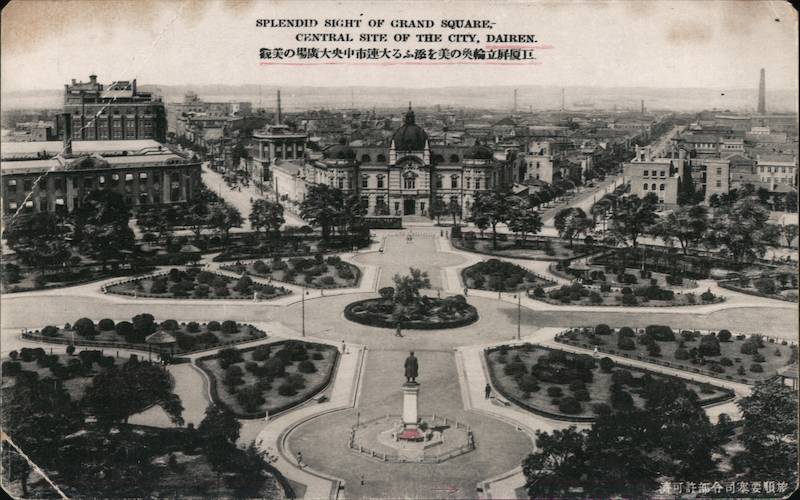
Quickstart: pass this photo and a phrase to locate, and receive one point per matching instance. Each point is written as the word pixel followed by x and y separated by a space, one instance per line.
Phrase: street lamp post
pixel 519 315
pixel 303 312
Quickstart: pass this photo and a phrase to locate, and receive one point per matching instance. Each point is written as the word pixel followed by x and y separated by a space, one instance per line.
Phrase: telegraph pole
pixel 303 312
pixel 519 315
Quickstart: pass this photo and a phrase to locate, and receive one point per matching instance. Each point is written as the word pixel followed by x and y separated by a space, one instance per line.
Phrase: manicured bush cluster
pixel 495 274
pixel 569 293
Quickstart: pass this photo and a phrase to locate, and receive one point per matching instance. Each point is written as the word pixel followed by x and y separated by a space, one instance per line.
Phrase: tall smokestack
pixel 515 100
pixel 642 106
pixel 279 118
pixel 562 99
pixel 762 90
pixel 67 144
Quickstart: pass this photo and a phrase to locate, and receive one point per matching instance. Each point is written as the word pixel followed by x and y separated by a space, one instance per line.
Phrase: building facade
pixel 118 111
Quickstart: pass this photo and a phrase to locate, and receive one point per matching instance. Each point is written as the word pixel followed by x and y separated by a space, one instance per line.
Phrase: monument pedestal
pixel 410 407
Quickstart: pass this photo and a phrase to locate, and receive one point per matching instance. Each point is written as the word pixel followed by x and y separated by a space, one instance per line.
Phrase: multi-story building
pixel 117 112
pixel 192 104
pixel 777 171
pixel 661 176
pixel 143 171
pixel 403 179
pixel 274 144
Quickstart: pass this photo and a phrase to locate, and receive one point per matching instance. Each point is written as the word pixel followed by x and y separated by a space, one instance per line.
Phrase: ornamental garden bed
pixel 197 284
pixel 579 387
pixel 718 354
pixel 619 277
pixel 429 314
pixel 316 272
pixel 604 295
pixel 537 248
pixel 15 278
pixel 780 286
pixel 189 337
pixel 498 275
pixel 270 377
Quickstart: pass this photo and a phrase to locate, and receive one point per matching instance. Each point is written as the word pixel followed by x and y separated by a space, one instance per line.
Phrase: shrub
pixel 261 353
pixel 229 327
pixel 604 287
pixel 622 377
pixel 554 391
pixel 674 280
pixel 716 368
pixel 287 389
pixel 85 327
pixel 317 356
pixel 654 350
pixel 170 325
pixel 621 400
pixel 626 331
pixel 765 285
pixel 741 370
pixel 260 267
pixel 660 332
pixel 306 367
pixel 193 327
pixel 629 300
pixel 577 385
pixel 707 296
pixel 726 362
pixel 595 298
pixel 70 349
pixel 213 326
pixel 756 368
pixel 724 336
pixel 602 329
pixel 514 369
pixel 749 347
pixel 105 325
pixel 606 364
pixel 50 331
pixel 626 343
pixel 601 409
pixel 582 395
pixel 626 290
pixel 124 328
pixel 709 346
pixel 758 358
pixel 527 384
pixel 274 367
pixel 569 405
pixel 11 368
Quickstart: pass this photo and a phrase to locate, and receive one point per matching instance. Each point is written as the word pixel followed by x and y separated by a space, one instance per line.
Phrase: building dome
pixel 479 152
pixel 339 151
pixel 410 137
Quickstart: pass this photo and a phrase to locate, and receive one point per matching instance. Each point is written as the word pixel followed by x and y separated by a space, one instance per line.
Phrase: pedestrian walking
pixel 300 458
pixel 344 347
pixel 362 479
pixel 397 333
pixel 487 391
pixel 466 291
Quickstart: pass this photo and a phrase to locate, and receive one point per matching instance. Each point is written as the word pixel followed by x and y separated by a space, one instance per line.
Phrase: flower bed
pixel 197 284
pixel 604 295
pixel 268 378
pixel 498 275
pixel 433 314
pixel 534 248
pixel 619 277
pixel 190 337
pixel 716 354
pixel 316 272
pixel 578 387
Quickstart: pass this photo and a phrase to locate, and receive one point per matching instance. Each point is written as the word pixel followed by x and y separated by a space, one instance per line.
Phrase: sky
pixel 664 44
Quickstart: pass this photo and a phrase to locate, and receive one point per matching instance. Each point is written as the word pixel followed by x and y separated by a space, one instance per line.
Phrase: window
pixel 645 173
pixel 468 181
pixel 644 187
pixel 128 177
pixel 453 181
pixel 661 187
pixel 380 181
pixel 719 183
pixel 719 170
pixel 143 175
pixel 341 182
pixel 653 187
pixel 364 202
pixel 101 180
pixel 27 185
pixel 439 181
pixel 663 173
pixel 364 181
pixel 12 205
pixel 366 159
pixel 114 177
pixel 477 183
pixel 381 159
pixel 454 158
pixel 409 182
pixel 58 183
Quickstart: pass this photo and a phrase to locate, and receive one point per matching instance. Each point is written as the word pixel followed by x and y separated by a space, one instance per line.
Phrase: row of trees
pixel 331 210
pixel 496 207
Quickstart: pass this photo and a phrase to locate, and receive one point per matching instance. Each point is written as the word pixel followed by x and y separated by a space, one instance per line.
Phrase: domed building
pixel 408 179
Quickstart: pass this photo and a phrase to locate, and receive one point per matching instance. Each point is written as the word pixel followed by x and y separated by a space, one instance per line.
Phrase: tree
pixel 742 230
pixel 633 217
pixel 570 222
pixel 557 463
pixel 769 434
pixel 39 239
pixel 198 218
pixel 101 225
pixel 687 225
pixel 15 467
pixel 173 407
pixel 322 207
pixel 267 215
pixel 116 393
pixel 438 208
pixel 224 218
pixel 454 209
pixel 407 287
pixel 687 194
pixel 491 207
pixel 219 431
pixel 524 219
pixel 789 231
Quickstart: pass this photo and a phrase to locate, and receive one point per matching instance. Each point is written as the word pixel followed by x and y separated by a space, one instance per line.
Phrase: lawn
pixel 316 272
pixel 506 365
pixel 16 278
pixel 271 377
pixel 192 336
pixel 781 286
pixel 631 277
pixel 195 283
pixel 729 364
pixel 498 275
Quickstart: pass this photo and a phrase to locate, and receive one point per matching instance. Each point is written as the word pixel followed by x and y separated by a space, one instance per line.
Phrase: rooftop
pixel 51 148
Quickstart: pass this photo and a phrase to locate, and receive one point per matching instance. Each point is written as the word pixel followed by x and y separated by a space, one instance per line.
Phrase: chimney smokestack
pixel 67 118
pixel 279 117
pixel 762 91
